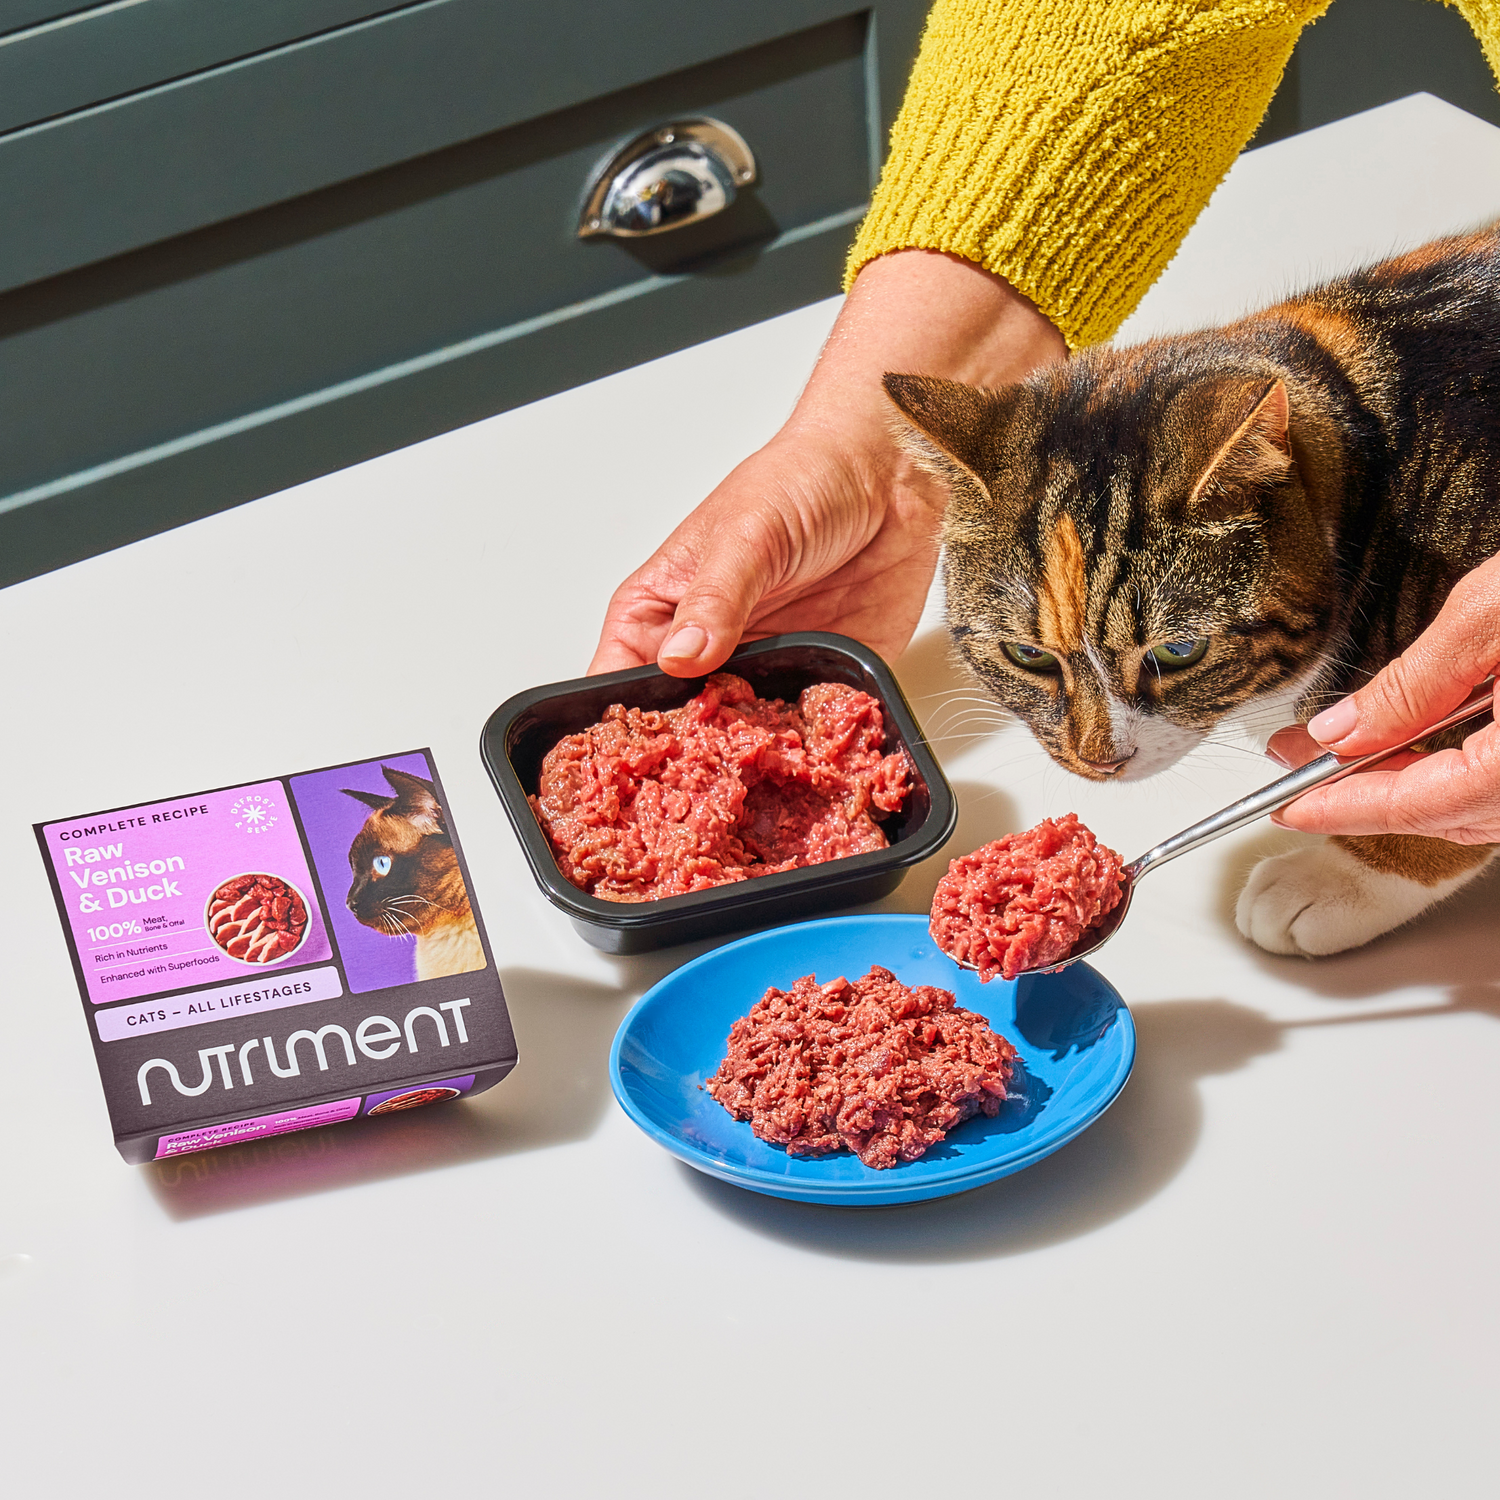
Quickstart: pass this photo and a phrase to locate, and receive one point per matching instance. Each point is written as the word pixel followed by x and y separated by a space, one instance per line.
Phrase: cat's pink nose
pixel 1109 767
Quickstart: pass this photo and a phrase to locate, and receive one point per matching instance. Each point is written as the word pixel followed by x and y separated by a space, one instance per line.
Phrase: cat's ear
pixel 370 799
pixel 950 423
pixel 1256 452
pixel 403 782
pixel 416 801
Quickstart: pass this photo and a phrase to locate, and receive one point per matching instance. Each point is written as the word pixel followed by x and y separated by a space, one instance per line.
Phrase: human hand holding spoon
pixel 1285 789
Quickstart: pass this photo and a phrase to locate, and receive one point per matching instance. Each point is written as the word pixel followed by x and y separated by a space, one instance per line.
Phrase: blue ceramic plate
pixel 1074 1035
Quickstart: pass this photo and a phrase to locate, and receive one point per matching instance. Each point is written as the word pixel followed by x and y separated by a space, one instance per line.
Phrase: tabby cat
pixel 406 877
pixel 1252 520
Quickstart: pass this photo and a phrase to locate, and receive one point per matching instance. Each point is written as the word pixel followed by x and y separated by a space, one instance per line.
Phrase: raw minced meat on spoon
pixel 1023 901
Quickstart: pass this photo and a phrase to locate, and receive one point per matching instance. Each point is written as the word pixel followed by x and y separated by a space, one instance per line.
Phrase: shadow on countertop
pixel 556 1094
pixel 1148 1136
pixel 1122 1162
pixel 560 1089
pixel 1113 1168
pixel 1452 947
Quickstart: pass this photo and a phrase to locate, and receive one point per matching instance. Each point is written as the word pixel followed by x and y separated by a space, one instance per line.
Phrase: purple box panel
pixel 136 886
pixel 272 955
pixel 282 1123
pixel 365 816
pixel 424 1093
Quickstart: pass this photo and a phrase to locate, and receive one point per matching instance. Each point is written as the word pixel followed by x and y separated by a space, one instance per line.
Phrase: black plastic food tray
pixel 521 731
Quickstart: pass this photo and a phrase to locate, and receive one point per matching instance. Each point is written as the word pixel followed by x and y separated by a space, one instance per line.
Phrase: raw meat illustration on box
pixel 278 955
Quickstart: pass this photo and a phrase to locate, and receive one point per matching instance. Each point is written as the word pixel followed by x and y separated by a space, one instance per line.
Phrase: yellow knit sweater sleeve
pixel 1068 145
pixel 1484 17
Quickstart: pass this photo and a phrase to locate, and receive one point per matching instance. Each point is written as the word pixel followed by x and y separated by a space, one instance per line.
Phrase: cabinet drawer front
pixel 16 14
pixel 85 58
pixel 109 179
pixel 200 371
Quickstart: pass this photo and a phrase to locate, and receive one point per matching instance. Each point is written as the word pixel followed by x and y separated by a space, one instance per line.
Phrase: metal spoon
pixel 1319 772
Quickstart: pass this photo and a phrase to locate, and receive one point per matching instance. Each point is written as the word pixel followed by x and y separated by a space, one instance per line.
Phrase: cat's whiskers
pixel 957 702
pixel 969 688
pixel 947 692
pixel 963 738
pixel 1013 778
pixel 397 927
pixel 977 715
pixel 1212 745
pixel 966 729
pixel 975 700
pixel 967 717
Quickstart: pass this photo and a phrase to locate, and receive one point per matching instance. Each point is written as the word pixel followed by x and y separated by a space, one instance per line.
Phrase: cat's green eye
pixel 1033 658
pixel 1174 655
pixel 381 864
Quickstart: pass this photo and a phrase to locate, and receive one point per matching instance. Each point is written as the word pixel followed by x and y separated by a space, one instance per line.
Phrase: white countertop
pixel 1271 1269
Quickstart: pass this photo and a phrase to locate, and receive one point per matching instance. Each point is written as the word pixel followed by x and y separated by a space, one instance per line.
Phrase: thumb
pixel 715 607
pixel 1292 747
pixel 1434 674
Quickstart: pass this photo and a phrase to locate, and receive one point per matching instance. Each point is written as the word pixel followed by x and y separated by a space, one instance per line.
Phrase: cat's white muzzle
pixel 1156 743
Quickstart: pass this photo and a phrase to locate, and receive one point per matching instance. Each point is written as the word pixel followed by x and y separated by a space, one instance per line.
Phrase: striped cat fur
pixel 1238 524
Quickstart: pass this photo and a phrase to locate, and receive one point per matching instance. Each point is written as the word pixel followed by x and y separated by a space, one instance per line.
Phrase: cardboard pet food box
pixel 279 955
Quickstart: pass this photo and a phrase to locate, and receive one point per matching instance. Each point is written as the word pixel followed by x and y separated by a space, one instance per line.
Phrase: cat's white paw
pixel 1323 900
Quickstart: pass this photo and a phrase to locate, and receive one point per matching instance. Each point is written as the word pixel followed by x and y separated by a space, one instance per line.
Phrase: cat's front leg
pixel 1345 891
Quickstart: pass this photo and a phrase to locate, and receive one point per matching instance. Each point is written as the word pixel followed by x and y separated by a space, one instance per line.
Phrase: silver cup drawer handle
pixel 675 174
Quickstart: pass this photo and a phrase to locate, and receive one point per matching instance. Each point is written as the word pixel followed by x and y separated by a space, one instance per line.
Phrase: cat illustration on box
pixel 1239 524
pixel 406 877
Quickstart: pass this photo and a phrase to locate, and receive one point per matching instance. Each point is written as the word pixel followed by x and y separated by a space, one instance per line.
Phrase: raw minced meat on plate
pixel 873 1067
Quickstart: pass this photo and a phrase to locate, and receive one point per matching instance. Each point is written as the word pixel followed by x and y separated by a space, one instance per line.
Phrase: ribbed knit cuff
pixel 1068 145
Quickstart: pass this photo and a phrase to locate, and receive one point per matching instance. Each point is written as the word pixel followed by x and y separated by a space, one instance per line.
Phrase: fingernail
pixel 1279 758
pixel 1333 723
pixel 685 644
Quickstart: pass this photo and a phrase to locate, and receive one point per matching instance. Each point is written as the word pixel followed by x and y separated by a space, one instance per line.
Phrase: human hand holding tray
pixel 278 955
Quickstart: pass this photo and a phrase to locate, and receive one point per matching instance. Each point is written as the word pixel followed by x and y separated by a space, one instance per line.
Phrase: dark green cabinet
pixel 249 241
